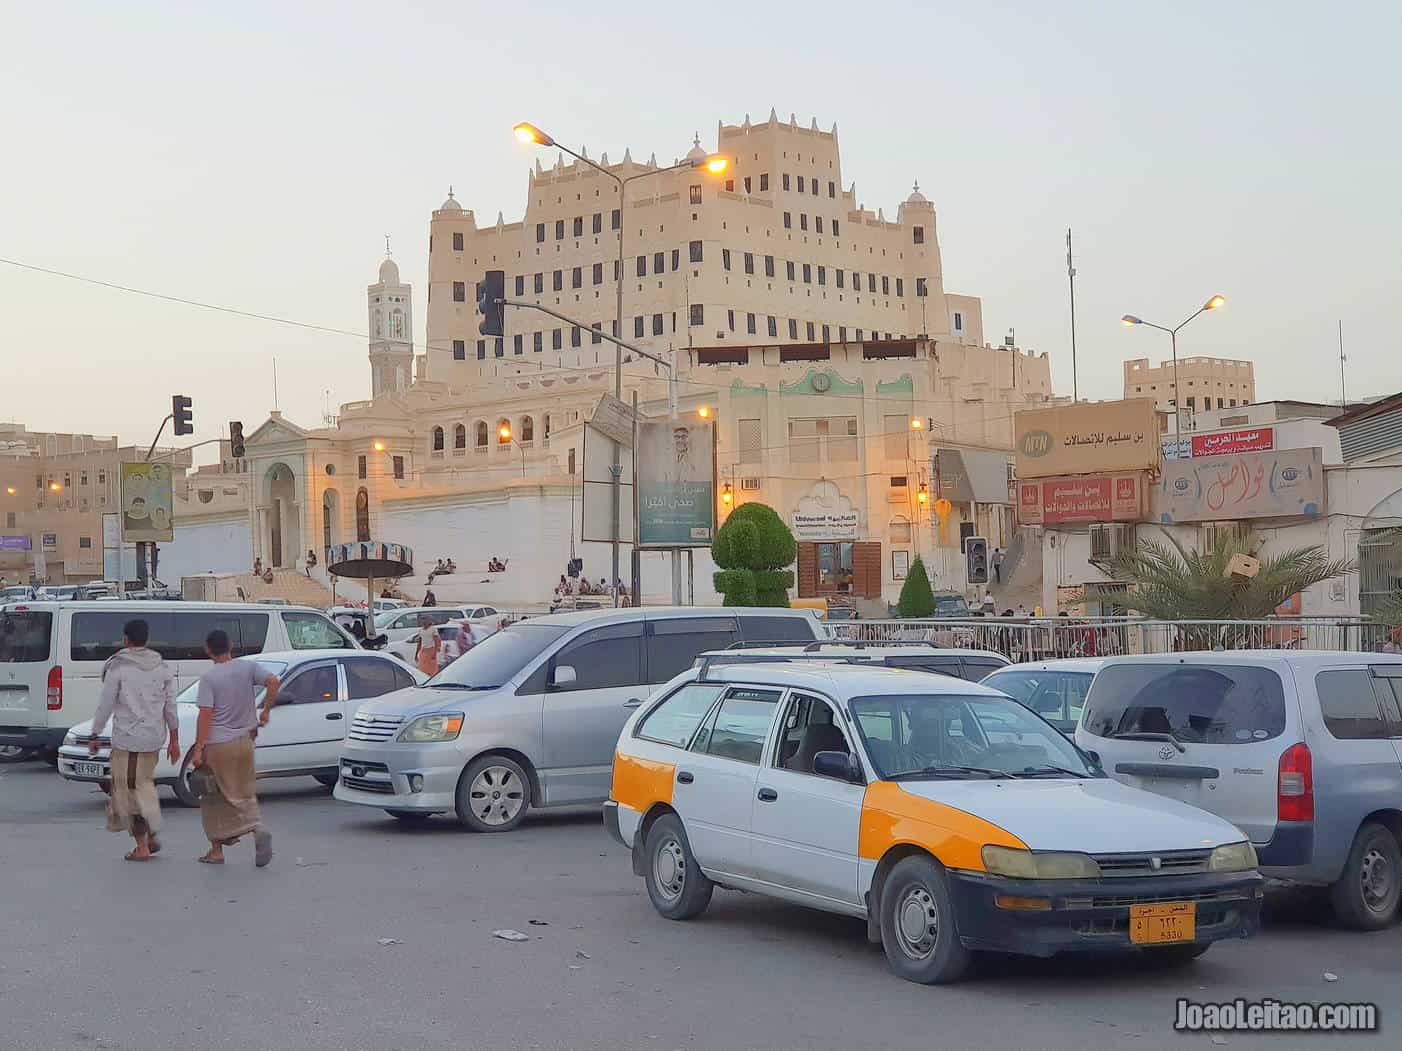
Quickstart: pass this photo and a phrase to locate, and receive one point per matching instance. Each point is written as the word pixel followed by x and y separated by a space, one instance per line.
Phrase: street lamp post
pixel 504 433
pixel 713 163
pixel 1214 303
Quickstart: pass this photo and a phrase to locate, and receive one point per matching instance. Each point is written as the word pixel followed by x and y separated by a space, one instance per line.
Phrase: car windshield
pixel 191 693
pixel 382 620
pixel 950 606
pixel 497 659
pixel 1057 696
pixel 1195 703
pixel 917 736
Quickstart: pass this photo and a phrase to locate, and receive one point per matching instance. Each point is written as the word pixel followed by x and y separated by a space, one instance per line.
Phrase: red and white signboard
pixel 1086 498
pixel 1255 440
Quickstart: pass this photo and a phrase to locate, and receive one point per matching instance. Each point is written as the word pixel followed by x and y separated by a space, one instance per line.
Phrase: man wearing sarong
pixel 138 695
pixel 224 736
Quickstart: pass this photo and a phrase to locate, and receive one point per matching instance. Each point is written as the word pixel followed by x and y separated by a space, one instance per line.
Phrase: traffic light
pixel 180 407
pixel 976 559
pixel 490 293
pixel 236 439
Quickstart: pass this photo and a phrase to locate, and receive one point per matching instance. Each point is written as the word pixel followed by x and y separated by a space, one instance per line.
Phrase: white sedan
pixel 320 692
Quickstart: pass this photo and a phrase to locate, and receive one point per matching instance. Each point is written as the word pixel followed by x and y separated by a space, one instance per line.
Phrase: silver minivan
pixel 1302 751
pixel 529 717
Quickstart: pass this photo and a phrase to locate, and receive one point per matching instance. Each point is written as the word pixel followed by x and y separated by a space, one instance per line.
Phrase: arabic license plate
pixel 1172 921
pixel 89 770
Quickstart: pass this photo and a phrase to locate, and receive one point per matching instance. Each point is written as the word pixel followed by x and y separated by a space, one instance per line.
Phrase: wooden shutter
pixel 807 570
pixel 866 569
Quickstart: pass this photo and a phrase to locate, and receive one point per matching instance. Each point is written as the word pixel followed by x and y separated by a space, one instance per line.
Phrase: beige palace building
pixel 1208 383
pixel 812 329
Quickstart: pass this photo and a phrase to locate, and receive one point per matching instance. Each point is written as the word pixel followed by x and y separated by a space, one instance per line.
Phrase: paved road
pixel 96 953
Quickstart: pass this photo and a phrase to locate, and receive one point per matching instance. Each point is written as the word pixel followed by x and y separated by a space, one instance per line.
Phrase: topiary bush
pixel 754 549
pixel 917 600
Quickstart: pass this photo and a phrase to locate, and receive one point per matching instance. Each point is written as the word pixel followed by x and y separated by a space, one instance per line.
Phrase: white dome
pixel 696 153
pixel 389 272
pixel 916 197
pixel 451 204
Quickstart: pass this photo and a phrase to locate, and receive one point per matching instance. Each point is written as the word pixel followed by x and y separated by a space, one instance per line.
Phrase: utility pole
pixel 1071 277
pixel 1343 393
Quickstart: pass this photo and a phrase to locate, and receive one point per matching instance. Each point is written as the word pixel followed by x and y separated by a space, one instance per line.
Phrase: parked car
pixel 970 665
pixel 51 653
pixel 947 815
pixel 16 593
pixel 1055 690
pixel 319 693
pixel 401 627
pixel 529 717
pixel 384 605
pixel 1300 750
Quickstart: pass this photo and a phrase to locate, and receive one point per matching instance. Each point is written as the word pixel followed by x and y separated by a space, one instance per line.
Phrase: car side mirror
pixel 840 765
pixel 563 676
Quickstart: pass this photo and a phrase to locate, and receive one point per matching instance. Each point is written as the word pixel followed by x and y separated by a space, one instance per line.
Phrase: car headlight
pixel 70 738
pixel 428 728
pixel 1232 857
pixel 1024 864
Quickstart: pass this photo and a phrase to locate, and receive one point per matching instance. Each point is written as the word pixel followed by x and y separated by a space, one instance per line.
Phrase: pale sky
pixel 254 155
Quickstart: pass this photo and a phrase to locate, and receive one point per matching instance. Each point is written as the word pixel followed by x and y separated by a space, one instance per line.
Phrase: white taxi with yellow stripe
pixel 948 815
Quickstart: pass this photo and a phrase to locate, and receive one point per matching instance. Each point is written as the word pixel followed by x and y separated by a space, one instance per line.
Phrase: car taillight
pixel 1295 792
pixel 55 688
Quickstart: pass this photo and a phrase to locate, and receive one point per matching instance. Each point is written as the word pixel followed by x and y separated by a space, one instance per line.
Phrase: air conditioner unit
pixel 749 485
pixel 1108 539
pixel 899 492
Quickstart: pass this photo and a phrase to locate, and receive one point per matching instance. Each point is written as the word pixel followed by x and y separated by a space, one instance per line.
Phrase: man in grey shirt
pixel 228 723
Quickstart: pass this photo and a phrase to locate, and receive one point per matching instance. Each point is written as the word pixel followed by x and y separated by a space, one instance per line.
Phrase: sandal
pixel 153 845
pixel 206 859
pixel 134 856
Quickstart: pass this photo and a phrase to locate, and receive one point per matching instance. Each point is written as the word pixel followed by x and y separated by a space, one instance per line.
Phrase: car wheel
pixel 14 753
pixel 678 888
pixel 410 818
pixel 1366 895
pixel 184 791
pixel 917 924
pixel 494 794
pixel 327 780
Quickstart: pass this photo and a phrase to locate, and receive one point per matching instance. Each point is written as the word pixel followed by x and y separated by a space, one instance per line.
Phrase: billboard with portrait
pixel 676 482
pixel 147 503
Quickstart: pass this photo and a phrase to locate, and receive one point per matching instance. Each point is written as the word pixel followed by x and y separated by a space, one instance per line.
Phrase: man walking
pixel 998 565
pixel 138 695
pixel 228 724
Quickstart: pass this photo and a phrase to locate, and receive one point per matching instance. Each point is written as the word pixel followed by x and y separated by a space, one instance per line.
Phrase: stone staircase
pixel 296 588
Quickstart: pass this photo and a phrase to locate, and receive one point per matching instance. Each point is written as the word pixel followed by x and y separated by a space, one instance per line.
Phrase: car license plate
pixel 1171 921
pixel 89 769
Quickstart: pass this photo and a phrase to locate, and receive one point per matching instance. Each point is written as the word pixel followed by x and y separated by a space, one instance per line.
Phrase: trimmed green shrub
pixel 917 600
pixel 754 549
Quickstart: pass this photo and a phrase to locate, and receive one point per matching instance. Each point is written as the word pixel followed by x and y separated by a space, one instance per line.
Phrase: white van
pixel 51 653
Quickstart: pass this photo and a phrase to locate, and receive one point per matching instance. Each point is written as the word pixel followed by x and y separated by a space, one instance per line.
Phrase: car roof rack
pixel 735 655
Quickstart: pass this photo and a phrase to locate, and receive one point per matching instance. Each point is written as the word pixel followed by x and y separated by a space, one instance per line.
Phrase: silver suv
pixel 1302 751
pixel 529 717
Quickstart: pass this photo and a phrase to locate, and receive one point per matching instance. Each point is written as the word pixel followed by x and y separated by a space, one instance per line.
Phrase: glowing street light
pixel 1215 302
pixel 378 446
pixel 704 412
pixel 9 490
pixel 916 423
pixel 55 487
pixel 504 432
pixel 531 135
pixel 727 497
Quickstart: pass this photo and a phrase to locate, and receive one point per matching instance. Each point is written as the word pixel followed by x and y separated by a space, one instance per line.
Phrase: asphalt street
pixel 364 935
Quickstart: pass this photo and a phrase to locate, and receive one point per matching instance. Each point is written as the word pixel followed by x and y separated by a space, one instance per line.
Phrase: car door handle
pixel 767 795
pixel 333 715
pixel 633 702
pixel 685 777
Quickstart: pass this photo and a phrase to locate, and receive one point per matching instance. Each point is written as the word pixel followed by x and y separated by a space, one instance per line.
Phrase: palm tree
pixel 1172 582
